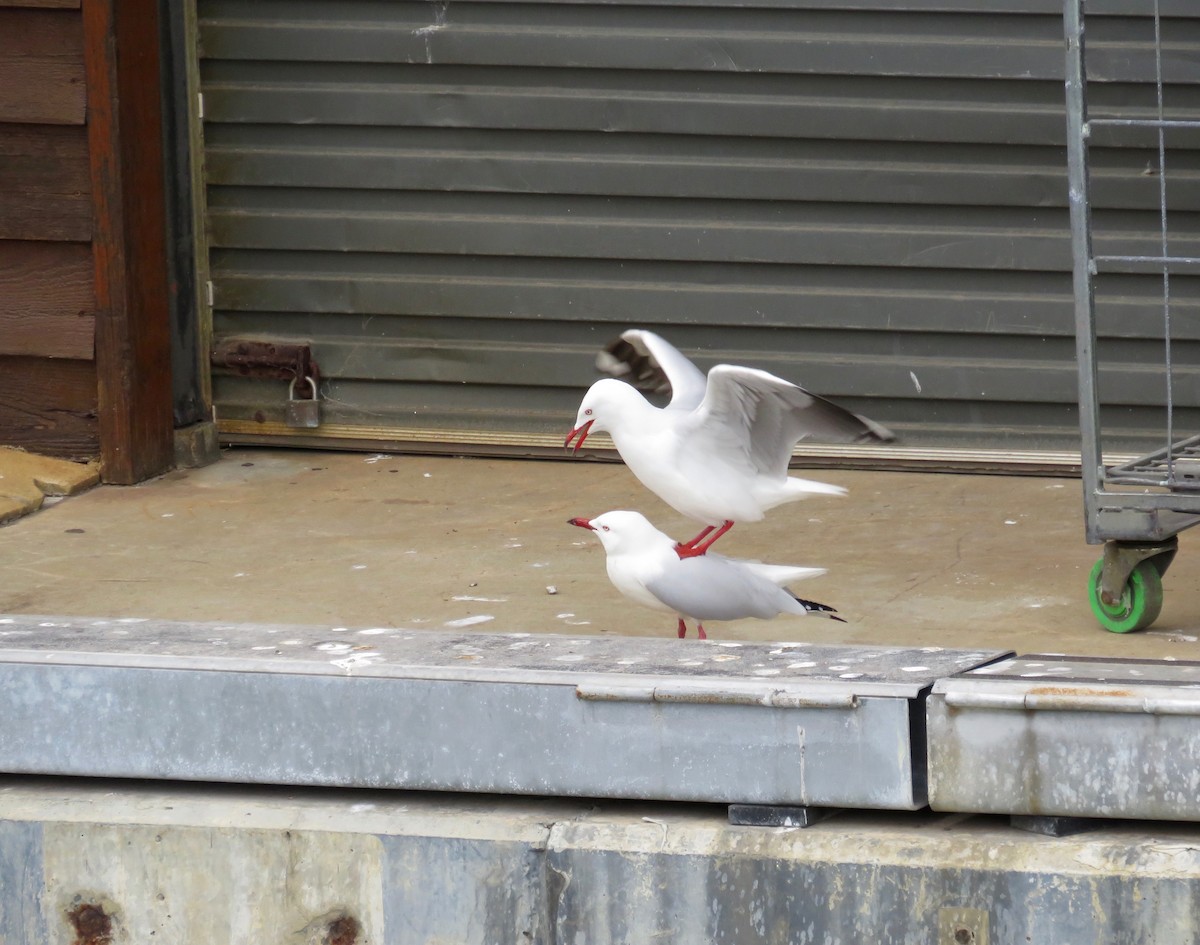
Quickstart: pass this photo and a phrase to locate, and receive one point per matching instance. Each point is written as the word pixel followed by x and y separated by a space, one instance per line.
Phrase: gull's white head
pixel 606 402
pixel 622 531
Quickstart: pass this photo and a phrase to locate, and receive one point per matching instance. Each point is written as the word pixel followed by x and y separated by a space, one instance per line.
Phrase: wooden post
pixel 124 127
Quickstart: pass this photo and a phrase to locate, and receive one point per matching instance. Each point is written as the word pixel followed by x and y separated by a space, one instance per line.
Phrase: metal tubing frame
pixel 1098 498
pixel 1091 461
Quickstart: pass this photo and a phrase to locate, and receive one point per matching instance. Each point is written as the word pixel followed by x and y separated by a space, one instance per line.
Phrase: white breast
pixel 629 574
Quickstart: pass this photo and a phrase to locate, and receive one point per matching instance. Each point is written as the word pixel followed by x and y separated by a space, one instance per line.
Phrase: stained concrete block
pixel 454 889
pixel 181 864
pixel 21 883
pixel 180 883
pixel 867 885
pixel 197 445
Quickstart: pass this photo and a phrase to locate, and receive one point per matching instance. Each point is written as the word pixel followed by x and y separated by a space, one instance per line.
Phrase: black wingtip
pixel 873 432
pixel 820 610
pixel 622 359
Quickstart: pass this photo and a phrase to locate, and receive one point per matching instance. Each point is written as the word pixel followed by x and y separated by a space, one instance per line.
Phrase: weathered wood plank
pixel 33 216
pixel 49 92
pixel 45 186
pixel 49 305
pixel 54 35
pixel 49 406
pixel 41 66
pixel 133 352
pixel 44 158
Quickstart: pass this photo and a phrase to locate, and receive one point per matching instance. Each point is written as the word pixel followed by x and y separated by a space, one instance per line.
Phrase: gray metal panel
pixel 431 735
pixel 508 713
pixel 459 203
pixel 1067 736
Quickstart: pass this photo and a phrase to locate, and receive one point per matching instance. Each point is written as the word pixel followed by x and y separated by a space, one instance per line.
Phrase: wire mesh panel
pixel 1138 507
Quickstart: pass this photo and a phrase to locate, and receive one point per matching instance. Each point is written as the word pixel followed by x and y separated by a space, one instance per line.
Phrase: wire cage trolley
pixel 1136 509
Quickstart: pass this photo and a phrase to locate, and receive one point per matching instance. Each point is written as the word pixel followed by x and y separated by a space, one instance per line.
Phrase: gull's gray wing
pixel 711 587
pixel 650 363
pixel 761 417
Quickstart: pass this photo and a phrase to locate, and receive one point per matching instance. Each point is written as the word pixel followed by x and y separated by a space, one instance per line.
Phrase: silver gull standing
pixel 643 565
pixel 718 452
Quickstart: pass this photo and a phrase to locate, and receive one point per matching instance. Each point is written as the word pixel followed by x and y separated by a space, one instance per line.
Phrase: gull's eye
pixel 606 528
pixel 588 412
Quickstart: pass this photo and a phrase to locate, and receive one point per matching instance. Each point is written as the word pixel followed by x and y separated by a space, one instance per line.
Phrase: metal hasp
pixel 622 717
pixel 1058 736
pixel 1125 598
pixel 288 361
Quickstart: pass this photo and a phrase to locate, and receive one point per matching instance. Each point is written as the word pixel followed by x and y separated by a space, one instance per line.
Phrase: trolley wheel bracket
pixel 1121 557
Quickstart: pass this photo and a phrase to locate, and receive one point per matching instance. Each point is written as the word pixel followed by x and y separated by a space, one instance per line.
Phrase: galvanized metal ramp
pixel 800 727
pixel 1068 736
pixel 787 723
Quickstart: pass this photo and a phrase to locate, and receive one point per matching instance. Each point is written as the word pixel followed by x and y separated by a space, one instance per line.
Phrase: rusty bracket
pixel 1121 557
pixel 254 357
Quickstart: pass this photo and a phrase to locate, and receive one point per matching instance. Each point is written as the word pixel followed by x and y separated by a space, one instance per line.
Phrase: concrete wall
pixel 91 863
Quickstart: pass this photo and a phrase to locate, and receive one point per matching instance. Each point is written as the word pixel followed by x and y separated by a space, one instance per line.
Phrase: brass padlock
pixel 303 413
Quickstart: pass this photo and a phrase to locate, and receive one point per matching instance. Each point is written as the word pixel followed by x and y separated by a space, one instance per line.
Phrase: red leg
pixel 703 532
pixel 682 629
pixel 691 550
pixel 685 548
pixel 700 631
pixel 713 537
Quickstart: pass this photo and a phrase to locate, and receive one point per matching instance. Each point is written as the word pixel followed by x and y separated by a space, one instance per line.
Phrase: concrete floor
pixel 413 541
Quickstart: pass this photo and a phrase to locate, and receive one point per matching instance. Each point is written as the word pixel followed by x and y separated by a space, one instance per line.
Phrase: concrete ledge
pixel 197 863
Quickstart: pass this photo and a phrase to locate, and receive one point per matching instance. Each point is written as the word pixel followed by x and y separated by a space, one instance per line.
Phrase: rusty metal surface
pixel 258 358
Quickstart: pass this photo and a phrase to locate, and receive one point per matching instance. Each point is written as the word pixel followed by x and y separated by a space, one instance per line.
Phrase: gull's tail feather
pixel 818 610
pixel 796 488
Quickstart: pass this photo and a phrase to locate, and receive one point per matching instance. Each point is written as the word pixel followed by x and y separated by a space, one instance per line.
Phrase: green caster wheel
pixel 1140 603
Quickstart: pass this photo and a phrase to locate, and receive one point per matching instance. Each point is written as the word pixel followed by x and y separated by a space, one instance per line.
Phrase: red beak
pixel 581 522
pixel 581 432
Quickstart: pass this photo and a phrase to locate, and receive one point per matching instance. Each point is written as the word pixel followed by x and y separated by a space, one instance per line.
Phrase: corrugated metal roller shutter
pixel 457 203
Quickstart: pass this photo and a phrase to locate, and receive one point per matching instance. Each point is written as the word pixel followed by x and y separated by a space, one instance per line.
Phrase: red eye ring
pixel 588 412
